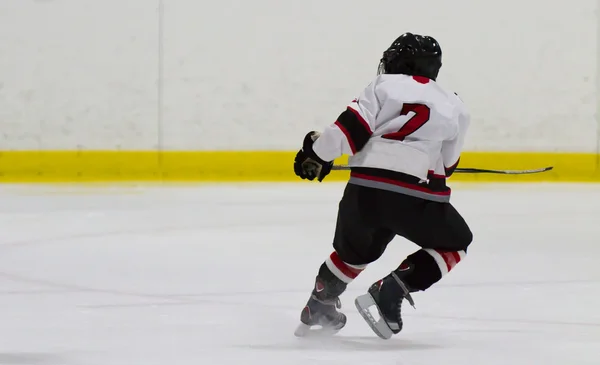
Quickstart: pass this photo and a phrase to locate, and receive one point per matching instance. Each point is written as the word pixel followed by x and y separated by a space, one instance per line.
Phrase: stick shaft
pixel 470 170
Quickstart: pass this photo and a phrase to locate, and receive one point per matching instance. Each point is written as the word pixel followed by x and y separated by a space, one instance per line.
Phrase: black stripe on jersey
pixel 450 170
pixel 355 128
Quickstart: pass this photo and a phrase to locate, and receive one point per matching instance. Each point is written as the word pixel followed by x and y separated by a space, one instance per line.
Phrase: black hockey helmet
pixel 412 54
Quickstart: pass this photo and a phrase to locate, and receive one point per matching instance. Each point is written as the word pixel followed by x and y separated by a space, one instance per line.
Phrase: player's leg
pixel 443 245
pixel 358 241
pixel 444 236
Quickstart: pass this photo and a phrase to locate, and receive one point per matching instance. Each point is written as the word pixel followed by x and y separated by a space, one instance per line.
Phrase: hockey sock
pixel 426 267
pixel 335 275
pixel 343 271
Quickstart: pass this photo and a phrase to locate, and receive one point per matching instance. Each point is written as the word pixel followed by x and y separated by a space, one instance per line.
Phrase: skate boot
pixel 387 295
pixel 320 315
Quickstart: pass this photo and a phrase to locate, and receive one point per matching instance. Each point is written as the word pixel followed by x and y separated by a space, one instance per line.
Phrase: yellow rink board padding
pixel 269 166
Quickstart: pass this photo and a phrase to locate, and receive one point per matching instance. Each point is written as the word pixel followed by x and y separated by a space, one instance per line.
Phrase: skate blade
pixel 380 327
pixel 304 330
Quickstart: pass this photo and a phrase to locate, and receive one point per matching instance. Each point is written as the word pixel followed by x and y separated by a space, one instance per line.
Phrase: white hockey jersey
pixel 404 134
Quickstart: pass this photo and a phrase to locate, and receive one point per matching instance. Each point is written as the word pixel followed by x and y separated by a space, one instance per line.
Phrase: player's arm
pixel 348 135
pixel 451 149
pixel 350 132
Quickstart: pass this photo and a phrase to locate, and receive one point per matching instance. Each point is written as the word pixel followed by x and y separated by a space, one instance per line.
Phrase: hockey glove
pixel 307 164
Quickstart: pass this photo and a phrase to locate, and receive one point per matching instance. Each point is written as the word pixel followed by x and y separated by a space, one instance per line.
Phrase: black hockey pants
pixel 368 219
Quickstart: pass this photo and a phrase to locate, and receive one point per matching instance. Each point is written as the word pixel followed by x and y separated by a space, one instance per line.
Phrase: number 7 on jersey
pixel 422 114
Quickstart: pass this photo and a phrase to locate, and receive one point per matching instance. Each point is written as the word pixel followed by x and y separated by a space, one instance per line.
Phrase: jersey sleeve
pixel 352 129
pixel 451 149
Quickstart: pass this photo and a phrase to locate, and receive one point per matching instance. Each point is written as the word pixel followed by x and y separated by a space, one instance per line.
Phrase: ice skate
pixel 387 296
pixel 320 316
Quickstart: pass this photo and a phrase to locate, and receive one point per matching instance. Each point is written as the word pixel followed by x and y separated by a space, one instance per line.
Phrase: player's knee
pixel 358 252
pixel 459 240
pixel 464 240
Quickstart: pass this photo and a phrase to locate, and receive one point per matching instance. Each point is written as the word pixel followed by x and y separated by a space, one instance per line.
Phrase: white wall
pixel 239 74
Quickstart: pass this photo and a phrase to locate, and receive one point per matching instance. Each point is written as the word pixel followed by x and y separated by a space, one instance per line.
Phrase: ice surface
pixel 218 275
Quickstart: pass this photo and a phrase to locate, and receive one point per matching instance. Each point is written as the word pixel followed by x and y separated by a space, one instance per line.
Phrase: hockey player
pixel 404 135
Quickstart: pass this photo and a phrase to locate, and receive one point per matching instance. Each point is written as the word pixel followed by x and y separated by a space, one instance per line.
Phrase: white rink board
pixel 219 275
pixel 247 75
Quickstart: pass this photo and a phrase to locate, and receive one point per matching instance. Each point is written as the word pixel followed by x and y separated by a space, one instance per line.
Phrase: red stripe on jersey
pixel 347 134
pixel 398 183
pixel 350 272
pixel 432 173
pixel 361 120
pixel 421 79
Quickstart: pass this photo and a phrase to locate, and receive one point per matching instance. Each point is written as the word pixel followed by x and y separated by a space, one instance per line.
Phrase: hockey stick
pixel 468 170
